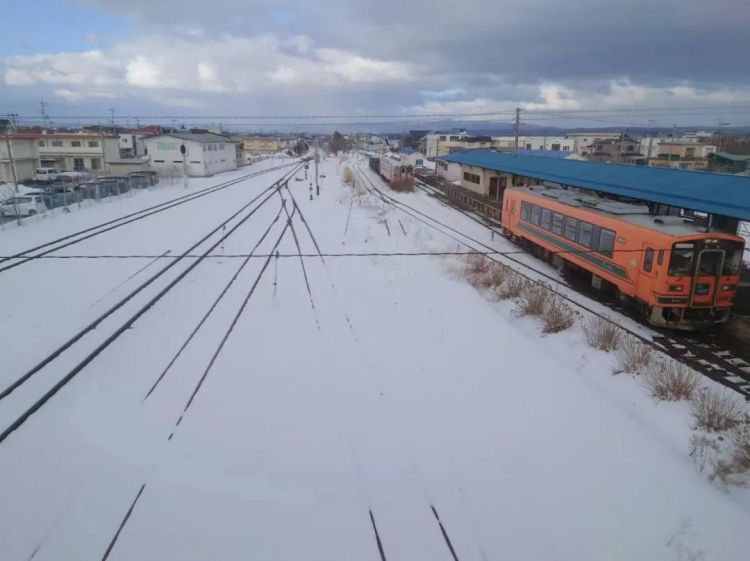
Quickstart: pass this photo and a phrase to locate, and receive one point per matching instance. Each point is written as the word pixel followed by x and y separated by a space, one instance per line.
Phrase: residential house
pixel 723 162
pixel 585 140
pixel 682 154
pixel 449 171
pixel 443 143
pixel 614 149
pixel 78 151
pixel 205 153
pixel 18 152
pixel 550 143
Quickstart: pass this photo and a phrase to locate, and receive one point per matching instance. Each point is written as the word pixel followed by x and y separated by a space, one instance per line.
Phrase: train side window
pixel 607 242
pixel 525 211
pixel 584 234
pixel 546 219
pixel 571 228
pixel 660 257
pixel 648 260
pixel 558 221
pixel 536 214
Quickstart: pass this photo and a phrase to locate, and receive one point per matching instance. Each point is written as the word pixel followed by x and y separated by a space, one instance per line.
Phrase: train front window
pixel 709 263
pixel 681 260
pixel 733 258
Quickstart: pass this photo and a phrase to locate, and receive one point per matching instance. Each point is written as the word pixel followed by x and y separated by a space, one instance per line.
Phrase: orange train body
pixel 681 275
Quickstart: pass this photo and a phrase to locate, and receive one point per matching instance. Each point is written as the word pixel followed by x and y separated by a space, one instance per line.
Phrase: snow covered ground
pixel 396 390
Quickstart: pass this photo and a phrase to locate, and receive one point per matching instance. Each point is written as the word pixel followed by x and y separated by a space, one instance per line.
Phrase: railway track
pixel 716 360
pixel 12 261
pixel 33 403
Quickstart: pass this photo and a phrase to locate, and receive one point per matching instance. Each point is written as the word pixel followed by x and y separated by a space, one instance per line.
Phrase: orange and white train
pixel 680 275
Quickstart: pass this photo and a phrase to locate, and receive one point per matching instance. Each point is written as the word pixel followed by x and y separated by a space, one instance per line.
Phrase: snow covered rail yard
pixel 235 221
pixel 51 246
pixel 322 387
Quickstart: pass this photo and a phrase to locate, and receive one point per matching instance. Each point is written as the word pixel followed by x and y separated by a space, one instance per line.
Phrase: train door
pixel 706 278
pixel 646 274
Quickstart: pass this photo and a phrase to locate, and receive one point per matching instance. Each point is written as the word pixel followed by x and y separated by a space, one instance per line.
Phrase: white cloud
pixel 228 64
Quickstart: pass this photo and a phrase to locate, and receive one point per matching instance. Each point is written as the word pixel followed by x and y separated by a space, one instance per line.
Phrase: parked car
pixel 23 205
pixel 46 174
pixel 298 179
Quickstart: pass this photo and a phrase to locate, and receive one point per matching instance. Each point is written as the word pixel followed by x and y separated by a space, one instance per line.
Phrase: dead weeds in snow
pixel 634 356
pixel 557 316
pixel 534 298
pixel 602 334
pixel 669 380
pixel 716 409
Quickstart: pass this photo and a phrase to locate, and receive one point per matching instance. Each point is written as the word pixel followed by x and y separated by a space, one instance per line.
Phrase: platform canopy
pixel 712 193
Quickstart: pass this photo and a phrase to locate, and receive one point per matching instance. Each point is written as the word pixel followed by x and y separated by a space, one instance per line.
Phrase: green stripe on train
pixel 593 259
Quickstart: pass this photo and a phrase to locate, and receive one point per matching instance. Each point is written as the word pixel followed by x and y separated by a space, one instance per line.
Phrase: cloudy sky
pixel 674 61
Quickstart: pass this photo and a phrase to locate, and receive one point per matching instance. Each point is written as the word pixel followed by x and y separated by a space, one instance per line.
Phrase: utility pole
pixel 721 132
pixel 112 120
pixel 650 139
pixel 183 151
pixel 516 129
pixel 11 161
pixel 317 185
pixel 45 119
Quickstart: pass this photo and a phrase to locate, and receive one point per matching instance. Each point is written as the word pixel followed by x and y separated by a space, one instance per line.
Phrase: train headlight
pixel 728 287
pixel 676 288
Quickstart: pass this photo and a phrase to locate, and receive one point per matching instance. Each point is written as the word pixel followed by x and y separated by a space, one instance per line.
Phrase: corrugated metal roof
pixel 713 193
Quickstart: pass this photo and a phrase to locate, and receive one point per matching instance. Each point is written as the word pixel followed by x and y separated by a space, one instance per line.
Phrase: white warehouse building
pixel 206 153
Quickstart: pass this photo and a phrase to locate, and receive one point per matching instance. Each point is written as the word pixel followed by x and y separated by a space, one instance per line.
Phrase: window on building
pixel 556 147
pixel 472 177
pixel 606 242
pixel 566 148
pixel 158 161
pixel 571 228
pixel 442 138
pixel 558 221
pixel 166 146
pixel 648 260
pixel 75 143
pixel 57 143
pixel 93 143
pixel 584 234
pixel 96 164
pixel 546 219
pixel 41 143
pixel 221 147
pixel 528 146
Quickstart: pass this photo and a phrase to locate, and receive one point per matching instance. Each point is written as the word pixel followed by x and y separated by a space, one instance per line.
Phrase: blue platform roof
pixel 713 193
pixel 407 150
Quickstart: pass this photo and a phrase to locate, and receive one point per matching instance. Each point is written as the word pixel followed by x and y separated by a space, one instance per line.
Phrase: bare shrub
pixel 534 298
pixel 602 334
pixel 495 275
pixel 634 356
pixel 558 316
pixel 476 268
pixel 512 287
pixel 671 381
pixel 716 410
pixel 348 175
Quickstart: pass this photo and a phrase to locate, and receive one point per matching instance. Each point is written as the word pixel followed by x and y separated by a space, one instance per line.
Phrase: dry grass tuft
pixel 348 175
pixel 716 410
pixel 634 356
pixel 671 381
pixel 558 316
pixel 495 275
pixel 602 334
pixel 512 287
pixel 534 298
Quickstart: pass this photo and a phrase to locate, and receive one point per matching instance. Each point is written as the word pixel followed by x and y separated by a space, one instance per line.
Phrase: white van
pixel 46 174
pixel 23 205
